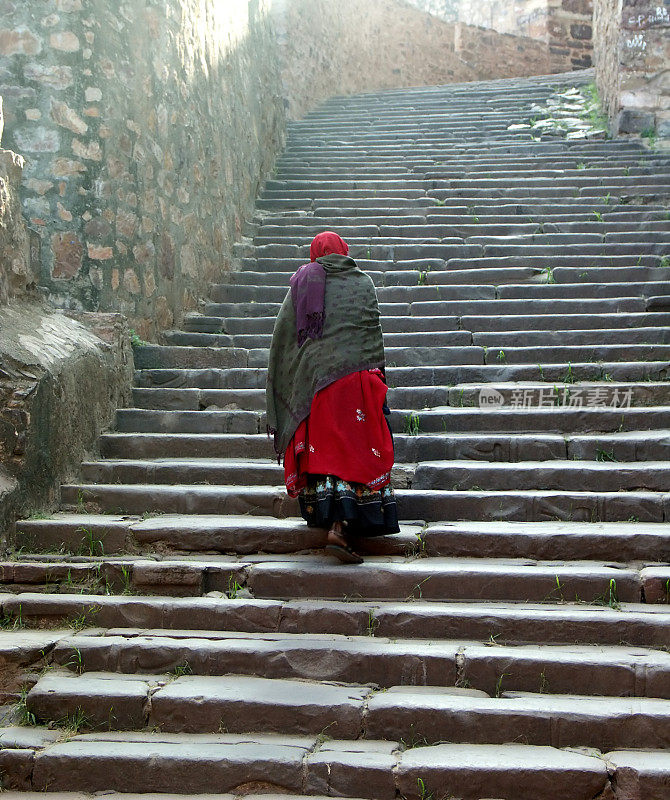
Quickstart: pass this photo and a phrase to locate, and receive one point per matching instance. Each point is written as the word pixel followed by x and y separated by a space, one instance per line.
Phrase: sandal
pixel 339 548
pixel 344 554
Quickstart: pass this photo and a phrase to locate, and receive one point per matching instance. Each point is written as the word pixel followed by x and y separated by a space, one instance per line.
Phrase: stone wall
pixel 16 274
pixel 633 64
pixel 565 25
pixel 332 47
pixel 570 34
pixel 148 127
pixel 489 49
pixel 61 378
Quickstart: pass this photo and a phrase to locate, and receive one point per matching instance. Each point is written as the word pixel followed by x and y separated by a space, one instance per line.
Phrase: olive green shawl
pixel 351 341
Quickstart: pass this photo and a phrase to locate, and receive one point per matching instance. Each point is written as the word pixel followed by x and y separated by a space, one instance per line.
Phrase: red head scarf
pixel 326 243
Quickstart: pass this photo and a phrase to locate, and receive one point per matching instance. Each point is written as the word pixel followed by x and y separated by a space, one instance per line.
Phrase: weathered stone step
pixel 544 287
pixel 462 228
pixel 567 321
pixel 574 415
pixel 422 339
pixel 533 179
pixel 607 476
pixel 151 421
pixel 156 356
pixel 563 419
pixel 430 715
pixel 528 393
pixel 607 670
pixel 600 336
pixel 499 215
pixel 443 579
pixel 443 258
pixel 203 399
pixel 110 534
pixel 567 622
pixel 510 447
pixel 191 764
pixel 360 244
pixel 568 210
pixel 422 308
pixel 507 322
pixel 430 505
pixel 254 378
pixel 263 341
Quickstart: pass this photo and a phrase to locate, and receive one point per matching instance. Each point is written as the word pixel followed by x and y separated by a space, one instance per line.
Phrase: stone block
pixel 635 121
pixel 68 254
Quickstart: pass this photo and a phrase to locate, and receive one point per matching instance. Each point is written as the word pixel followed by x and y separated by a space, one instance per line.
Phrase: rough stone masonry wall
pixel 632 44
pixel 61 379
pixel 565 25
pixel 330 47
pixel 16 275
pixel 148 126
pixel 570 34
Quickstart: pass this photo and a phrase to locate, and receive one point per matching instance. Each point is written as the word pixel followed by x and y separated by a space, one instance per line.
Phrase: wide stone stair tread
pixel 242 704
pixel 604 475
pixel 428 504
pixel 381 578
pixel 195 762
pixel 490 621
pixel 246 535
pixel 626 446
pixel 606 670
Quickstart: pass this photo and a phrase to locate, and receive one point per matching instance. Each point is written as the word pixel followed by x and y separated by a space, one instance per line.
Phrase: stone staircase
pixel 175 629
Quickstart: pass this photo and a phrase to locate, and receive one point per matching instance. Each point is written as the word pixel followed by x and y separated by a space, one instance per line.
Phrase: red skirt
pixel 346 435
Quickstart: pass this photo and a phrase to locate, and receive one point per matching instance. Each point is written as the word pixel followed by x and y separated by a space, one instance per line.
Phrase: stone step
pixel 568 321
pixel 444 258
pixel 427 715
pixel 377 185
pixel 572 414
pixel 602 336
pixel 637 445
pixel 577 669
pixel 429 505
pixel 566 419
pixel 544 286
pixel 482 234
pixel 608 476
pixel 477 354
pixel 254 378
pixel 192 763
pixel 514 218
pixel 109 534
pixel 567 622
pixel 422 308
pixel 527 393
pixel 150 421
pixel 506 322
pixel 419 339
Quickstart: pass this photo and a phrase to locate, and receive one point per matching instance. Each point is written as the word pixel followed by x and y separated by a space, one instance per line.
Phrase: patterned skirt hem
pixel 327 499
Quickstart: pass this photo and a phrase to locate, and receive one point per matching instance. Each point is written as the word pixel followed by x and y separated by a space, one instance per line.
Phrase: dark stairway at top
pixel 525 587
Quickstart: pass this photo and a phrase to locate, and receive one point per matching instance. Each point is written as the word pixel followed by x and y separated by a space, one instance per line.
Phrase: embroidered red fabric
pixel 345 435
